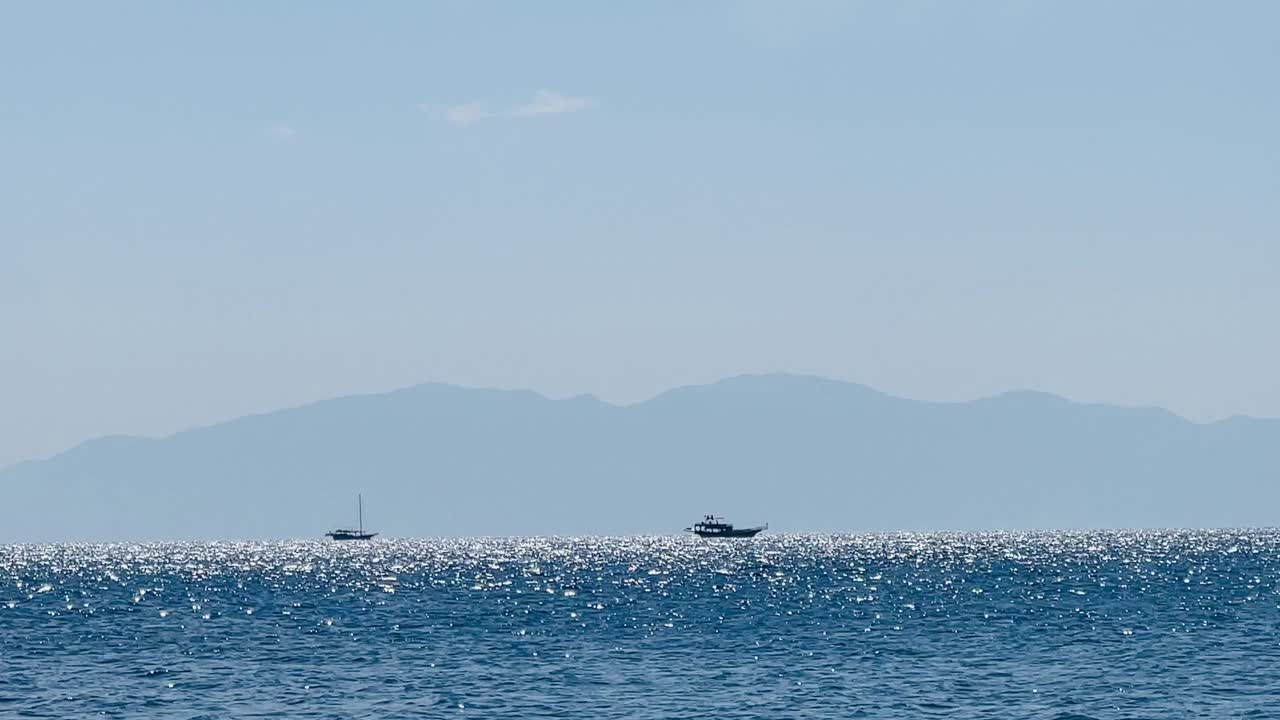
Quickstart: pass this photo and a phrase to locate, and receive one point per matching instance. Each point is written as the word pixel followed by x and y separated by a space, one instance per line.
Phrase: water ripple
pixel 995 625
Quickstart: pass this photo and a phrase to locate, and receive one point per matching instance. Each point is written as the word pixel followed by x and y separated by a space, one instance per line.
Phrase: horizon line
pixel 675 534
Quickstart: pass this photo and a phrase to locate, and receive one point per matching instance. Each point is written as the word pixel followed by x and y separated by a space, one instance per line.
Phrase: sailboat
pixel 359 534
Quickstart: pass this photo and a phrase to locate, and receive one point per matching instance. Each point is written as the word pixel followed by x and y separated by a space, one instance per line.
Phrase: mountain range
pixel 802 453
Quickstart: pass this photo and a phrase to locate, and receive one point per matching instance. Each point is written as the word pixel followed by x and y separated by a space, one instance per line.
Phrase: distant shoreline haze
pixel 801 453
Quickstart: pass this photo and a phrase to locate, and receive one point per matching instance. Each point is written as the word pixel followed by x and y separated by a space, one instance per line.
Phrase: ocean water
pixel 1007 625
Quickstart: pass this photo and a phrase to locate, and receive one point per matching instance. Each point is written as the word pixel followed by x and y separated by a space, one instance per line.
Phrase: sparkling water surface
pixel 1042 625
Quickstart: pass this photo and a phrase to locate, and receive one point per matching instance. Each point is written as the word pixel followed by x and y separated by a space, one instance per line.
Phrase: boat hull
pixel 351 536
pixel 735 533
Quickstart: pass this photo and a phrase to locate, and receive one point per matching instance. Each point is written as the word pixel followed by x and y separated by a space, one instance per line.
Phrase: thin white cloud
pixel 544 103
pixel 551 103
pixel 284 132
pixel 464 115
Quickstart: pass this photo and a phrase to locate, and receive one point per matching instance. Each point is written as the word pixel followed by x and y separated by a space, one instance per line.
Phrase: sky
pixel 213 209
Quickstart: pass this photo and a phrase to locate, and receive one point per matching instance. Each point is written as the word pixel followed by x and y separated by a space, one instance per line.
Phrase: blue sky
pixel 214 209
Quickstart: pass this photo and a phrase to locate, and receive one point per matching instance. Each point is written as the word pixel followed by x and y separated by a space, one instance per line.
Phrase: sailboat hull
pixel 344 535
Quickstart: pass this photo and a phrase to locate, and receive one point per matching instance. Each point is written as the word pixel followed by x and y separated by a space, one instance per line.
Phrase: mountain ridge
pixel 591 397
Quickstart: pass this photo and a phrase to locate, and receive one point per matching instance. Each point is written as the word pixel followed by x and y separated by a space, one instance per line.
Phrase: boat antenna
pixel 360 501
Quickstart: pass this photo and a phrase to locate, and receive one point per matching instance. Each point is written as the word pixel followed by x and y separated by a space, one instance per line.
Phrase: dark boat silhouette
pixel 714 527
pixel 359 534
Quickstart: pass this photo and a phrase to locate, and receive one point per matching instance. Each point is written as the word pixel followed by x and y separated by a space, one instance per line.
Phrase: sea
pixel 1058 625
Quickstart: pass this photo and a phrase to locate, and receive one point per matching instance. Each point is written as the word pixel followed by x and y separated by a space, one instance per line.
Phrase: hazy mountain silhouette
pixel 802 453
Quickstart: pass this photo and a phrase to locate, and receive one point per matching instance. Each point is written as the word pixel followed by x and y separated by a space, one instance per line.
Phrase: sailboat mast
pixel 360 500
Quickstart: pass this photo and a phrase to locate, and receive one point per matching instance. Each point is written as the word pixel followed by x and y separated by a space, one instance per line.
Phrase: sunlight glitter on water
pixel 887 625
